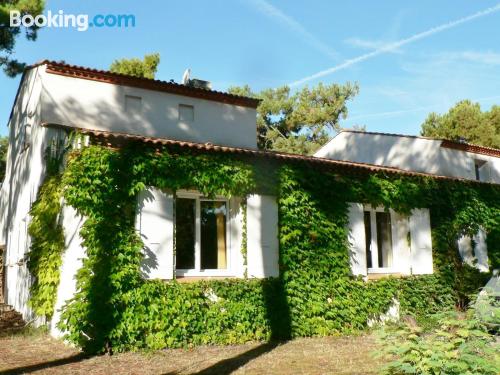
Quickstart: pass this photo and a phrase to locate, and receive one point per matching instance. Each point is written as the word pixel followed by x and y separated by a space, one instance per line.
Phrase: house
pixel 188 235
pixel 412 153
pixel 422 154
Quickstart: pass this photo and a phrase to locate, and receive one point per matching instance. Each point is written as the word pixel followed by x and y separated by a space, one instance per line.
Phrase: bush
pixel 456 344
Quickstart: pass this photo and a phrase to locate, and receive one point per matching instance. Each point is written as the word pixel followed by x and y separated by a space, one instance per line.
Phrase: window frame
pixel 185 107
pixel 481 169
pixel 374 269
pixel 197 271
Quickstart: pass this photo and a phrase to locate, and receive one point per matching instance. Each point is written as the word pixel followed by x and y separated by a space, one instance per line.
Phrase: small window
pixel 186 113
pixel 378 234
pixel 479 169
pixel 133 104
pixel 200 234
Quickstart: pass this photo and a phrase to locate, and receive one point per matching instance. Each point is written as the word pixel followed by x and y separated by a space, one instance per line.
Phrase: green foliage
pixel 145 68
pixel 299 122
pixel 8 35
pixel 4 145
pixel 315 293
pixel 456 344
pixel 47 246
pixel 465 120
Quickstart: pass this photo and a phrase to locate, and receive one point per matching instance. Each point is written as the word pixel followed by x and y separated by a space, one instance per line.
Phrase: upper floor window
pixel 480 167
pixel 186 113
pixel 133 104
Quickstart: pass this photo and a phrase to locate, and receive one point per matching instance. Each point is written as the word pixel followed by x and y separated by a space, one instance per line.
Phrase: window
pixel 133 104
pixel 378 239
pixel 479 169
pixel 186 113
pixel 200 234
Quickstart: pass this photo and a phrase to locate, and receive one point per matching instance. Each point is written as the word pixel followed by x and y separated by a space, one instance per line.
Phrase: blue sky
pixel 409 58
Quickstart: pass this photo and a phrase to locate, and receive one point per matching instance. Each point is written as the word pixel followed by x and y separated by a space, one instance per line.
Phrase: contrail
pixel 272 12
pixel 398 44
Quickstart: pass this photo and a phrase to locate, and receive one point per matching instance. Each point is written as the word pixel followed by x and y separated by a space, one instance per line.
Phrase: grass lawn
pixel 38 353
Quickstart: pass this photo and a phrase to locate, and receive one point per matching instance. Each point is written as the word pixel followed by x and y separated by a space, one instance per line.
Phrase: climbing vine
pixel 315 293
pixel 47 235
pixel 47 246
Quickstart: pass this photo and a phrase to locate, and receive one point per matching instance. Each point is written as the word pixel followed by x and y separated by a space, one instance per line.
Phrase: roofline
pixel 364 167
pixel 81 72
pixel 446 143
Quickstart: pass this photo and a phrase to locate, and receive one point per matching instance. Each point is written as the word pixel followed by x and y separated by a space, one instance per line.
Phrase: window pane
pixel 213 235
pixel 185 215
pixel 368 239
pixel 384 239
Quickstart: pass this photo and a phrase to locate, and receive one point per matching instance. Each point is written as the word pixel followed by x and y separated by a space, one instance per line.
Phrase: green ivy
pixel 47 246
pixel 315 293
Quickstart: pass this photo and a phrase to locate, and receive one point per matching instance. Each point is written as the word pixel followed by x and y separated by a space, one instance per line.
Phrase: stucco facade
pixel 411 153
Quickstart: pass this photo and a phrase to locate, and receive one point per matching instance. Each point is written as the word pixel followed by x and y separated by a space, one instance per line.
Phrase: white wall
pixel 408 153
pixel 71 263
pixel 97 105
pixel 24 174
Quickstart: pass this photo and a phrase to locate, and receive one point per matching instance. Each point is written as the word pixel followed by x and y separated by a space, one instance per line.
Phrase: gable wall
pixel 101 106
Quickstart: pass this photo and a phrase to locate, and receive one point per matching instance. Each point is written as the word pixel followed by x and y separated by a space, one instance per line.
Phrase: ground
pixel 39 354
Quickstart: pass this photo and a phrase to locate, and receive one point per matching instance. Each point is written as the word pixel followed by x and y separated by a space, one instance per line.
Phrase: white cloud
pixel 395 45
pixel 487 58
pixel 276 14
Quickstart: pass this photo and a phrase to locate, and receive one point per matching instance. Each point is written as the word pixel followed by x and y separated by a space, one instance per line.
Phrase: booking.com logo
pixel 78 21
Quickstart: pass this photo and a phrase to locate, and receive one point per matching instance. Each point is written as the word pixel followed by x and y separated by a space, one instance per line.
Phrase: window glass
pixel 368 239
pixel 185 232
pixel 213 234
pixel 479 169
pixel 384 239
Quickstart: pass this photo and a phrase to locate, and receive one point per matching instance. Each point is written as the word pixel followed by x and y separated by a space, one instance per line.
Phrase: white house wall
pixel 101 106
pixel 23 176
pixel 71 263
pixel 408 153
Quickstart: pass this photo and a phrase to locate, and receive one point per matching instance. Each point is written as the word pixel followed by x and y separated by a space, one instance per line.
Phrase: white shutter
pixel 481 251
pixel 262 236
pixel 357 239
pixel 236 236
pixel 421 242
pixel 155 223
pixel 401 247
pixel 465 249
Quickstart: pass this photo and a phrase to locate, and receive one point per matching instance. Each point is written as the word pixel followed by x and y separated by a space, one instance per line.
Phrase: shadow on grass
pixel 278 316
pixel 46 365
pixel 227 366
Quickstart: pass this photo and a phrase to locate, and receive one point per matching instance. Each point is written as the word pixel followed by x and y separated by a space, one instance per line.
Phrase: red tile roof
pixel 117 139
pixel 171 87
pixel 446 143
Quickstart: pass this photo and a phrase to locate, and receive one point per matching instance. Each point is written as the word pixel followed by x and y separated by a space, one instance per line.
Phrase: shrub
pixel 456 344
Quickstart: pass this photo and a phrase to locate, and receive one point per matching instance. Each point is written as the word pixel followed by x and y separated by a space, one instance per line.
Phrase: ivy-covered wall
pixel 314 295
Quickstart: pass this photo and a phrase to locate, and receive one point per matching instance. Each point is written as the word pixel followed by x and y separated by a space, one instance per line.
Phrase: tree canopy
pixel 299 122
pixel 135 67
pixel 4 144
pixel 465 120
pixel 8 35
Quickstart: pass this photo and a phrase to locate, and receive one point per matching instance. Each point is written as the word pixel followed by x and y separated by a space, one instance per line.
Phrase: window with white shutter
pixel 386 242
